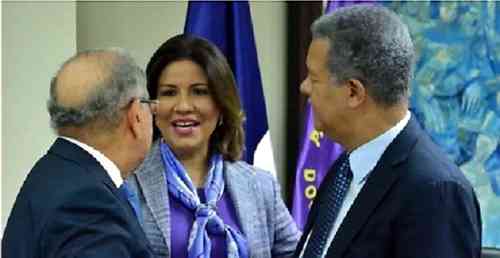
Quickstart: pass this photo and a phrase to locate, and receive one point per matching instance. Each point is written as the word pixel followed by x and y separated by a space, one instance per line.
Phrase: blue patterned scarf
pixel 206 219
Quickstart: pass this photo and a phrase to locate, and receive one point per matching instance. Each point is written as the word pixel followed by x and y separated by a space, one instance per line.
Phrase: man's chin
pixel 318 127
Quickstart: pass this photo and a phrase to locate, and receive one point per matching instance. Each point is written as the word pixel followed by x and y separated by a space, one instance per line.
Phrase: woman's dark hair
pixel 228 137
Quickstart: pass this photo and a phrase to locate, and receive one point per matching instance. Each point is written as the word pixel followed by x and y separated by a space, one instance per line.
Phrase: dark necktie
pixel 132 200
pixel 329 207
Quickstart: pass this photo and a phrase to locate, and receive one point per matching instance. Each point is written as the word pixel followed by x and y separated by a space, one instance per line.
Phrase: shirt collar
pixel 108 165
pixel 364 158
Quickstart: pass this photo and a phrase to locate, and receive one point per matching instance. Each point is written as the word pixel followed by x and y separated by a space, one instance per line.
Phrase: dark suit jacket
pixel 415 203
pixel 69 207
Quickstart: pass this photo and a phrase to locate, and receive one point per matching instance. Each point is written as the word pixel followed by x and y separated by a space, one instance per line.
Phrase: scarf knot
pixel 206 219
pixel 205 210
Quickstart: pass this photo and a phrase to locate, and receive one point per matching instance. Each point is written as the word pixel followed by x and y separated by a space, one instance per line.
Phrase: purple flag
pixel 316 156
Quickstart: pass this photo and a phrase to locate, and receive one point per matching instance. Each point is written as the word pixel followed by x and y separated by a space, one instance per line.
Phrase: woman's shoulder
pixel 244 171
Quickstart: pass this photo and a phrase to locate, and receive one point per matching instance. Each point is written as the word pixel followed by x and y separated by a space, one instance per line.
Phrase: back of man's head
pixel 90 89
pixel 371 44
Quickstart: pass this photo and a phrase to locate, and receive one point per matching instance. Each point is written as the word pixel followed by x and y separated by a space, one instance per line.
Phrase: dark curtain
pixel 300 16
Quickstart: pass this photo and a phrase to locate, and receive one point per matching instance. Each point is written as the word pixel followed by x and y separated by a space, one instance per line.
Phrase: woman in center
pixel 197 199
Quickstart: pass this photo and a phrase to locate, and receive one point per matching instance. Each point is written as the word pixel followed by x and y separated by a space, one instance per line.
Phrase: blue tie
pixel 329 207
pixel 132 199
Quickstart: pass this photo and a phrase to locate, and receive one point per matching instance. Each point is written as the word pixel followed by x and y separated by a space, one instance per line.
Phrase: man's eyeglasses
pixel 152 103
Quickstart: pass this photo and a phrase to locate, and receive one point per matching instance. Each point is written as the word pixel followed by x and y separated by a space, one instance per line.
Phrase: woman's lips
pixel 185 127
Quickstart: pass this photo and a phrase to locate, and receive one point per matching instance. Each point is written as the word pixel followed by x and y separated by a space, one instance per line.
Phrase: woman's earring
pixel 219 123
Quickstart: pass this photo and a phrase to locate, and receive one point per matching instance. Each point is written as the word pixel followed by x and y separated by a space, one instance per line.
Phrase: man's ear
pixel 134 118
pixel 357 93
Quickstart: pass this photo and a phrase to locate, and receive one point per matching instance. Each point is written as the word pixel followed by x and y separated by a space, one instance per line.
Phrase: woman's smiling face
pixel 187 114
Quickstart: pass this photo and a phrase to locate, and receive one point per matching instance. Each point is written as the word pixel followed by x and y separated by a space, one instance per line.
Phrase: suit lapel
pixel 129 211
pixel 151 178
pixel 377 185
pixel 243 189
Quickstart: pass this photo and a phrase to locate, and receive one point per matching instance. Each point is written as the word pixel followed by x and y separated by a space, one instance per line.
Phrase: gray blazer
pixel 264 218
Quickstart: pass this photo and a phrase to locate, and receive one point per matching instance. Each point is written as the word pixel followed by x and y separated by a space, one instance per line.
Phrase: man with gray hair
pixel 70 204
pixel 393 193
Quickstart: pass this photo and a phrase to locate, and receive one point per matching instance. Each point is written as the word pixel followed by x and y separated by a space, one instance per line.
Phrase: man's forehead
pixel 317 54
pixel 323 43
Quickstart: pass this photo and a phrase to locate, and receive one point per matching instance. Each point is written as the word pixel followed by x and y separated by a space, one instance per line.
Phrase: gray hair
pixel 370 44
pixel 125 81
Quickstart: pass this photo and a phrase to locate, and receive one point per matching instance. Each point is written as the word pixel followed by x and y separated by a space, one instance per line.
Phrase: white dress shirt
pixel 108 165
pixel 362 160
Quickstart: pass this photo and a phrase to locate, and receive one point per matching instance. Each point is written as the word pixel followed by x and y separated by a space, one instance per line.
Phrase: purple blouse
pixel 182 220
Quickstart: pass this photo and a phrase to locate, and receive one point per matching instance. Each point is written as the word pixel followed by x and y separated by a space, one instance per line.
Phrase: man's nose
pixel 305 86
